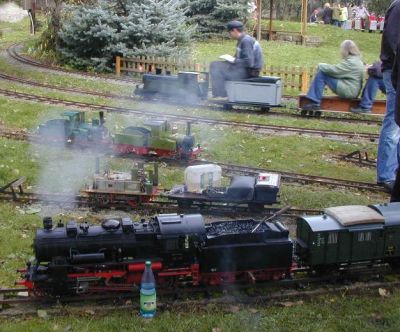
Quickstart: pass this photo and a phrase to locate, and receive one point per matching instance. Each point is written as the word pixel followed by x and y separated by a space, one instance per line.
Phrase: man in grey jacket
pixel 247 63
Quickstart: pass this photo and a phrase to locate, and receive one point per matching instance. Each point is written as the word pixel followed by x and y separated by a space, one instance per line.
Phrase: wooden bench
pixel 337 104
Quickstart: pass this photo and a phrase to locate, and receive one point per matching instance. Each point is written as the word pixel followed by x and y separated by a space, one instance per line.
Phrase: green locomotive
pixel 158 139
pixel 74 130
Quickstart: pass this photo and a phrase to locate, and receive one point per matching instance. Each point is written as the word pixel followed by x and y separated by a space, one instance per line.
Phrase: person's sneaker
pixel 311 107
pixel 360 110
pixel 387 185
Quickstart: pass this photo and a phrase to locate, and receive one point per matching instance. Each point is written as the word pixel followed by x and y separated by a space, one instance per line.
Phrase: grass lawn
pixel 57 169
pixel 339 312
pixel 287 54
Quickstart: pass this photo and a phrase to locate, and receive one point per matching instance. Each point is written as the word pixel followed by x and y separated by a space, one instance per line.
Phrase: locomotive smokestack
pixel 97 165
pixel 47 223
pixel 101 115
pixel 188 129
pixel 155 175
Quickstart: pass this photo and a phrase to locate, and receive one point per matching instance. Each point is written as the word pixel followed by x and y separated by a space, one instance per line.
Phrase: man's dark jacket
pixel 391 36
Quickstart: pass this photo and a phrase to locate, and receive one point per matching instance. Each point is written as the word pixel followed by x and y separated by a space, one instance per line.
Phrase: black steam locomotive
pixel 80 258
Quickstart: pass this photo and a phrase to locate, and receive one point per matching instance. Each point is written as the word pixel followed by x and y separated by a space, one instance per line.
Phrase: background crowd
pixel 339 13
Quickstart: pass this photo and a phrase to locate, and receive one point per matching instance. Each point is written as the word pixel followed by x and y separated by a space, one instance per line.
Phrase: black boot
pixel 396 189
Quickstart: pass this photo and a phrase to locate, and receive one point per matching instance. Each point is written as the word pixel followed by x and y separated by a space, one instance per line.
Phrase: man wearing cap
pixel 247 63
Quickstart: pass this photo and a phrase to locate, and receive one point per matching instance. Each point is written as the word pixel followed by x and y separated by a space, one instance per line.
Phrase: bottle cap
pixel 148 263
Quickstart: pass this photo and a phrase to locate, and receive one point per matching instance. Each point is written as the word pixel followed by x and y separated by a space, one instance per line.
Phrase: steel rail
pixel 14 54
pixel 234 168
pixel 209 105
pixel 263 128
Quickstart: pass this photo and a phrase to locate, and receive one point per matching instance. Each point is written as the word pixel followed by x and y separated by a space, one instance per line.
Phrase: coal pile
pixel 235 227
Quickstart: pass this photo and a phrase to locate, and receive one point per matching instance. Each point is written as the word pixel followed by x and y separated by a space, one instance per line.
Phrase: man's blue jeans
pixel 318 84
pixel 388 149
pixel 370 91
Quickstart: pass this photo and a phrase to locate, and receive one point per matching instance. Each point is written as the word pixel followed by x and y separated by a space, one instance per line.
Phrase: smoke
pixel 63 171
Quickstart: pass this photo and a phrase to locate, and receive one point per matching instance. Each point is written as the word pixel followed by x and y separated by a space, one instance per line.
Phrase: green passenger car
pixel 349 234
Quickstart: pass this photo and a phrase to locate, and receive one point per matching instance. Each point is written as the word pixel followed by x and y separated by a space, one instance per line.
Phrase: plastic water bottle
pixel 148 295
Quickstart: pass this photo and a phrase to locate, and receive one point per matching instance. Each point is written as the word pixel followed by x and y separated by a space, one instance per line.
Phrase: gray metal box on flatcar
pixel 264 90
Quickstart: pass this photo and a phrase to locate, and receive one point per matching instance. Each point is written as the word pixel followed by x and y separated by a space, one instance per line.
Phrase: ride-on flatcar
pixel 192 87
pixel 74 130
pixel 81 258
pixel 255 192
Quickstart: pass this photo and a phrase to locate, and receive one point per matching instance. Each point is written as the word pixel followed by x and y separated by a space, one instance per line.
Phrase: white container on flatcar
pixel 199 177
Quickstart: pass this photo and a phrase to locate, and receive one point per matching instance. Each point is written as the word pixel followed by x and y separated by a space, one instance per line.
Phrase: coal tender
pixel 82 258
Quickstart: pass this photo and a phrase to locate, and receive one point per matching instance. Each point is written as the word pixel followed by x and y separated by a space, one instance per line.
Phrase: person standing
pixel 396 84
pixel 327 14
pixel 362 14
pixel 247 63
pixel 336 14
pixel 344 15
pixel 388 148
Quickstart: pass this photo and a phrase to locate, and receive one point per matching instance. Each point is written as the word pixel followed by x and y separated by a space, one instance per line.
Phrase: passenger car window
pixel 364 236
pixel 332 238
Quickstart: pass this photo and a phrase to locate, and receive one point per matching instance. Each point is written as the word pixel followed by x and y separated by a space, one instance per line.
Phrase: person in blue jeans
pixel 388 149
pixel 345 79
pixel 374 83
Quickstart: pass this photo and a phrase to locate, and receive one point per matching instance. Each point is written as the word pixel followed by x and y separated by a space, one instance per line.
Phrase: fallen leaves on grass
pixel 289 304
pixel 42 314
pixel 383 292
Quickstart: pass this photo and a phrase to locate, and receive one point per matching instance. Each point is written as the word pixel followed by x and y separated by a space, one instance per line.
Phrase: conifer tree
pixel 211 16
pixel 92 35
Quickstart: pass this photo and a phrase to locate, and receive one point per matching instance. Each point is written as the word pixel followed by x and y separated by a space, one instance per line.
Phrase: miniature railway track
pixel 302 178
pixel 207 106
pixel 233 168
pixel 167 298
pixel 261 128
pixel 155 206
pixel 14 54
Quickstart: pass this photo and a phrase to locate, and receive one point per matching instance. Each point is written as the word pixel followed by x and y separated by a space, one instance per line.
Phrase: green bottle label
pixel 148 303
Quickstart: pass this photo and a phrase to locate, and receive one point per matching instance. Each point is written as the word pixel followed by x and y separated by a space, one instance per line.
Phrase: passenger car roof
pixel 389 211
pixel 351 215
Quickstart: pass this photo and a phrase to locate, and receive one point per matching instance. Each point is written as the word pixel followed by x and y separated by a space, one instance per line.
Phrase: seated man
pixel 248 61
pixel 374 82
pixel 345 79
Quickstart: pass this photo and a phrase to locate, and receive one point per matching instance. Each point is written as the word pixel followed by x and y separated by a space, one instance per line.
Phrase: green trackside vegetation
pixel 339 312
pixel 288 54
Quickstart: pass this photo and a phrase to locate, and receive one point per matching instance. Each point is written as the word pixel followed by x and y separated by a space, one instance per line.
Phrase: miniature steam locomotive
pixel 192 87
pixel 155 138
pixel 81 258
pixel 74 130
pixel 122 189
